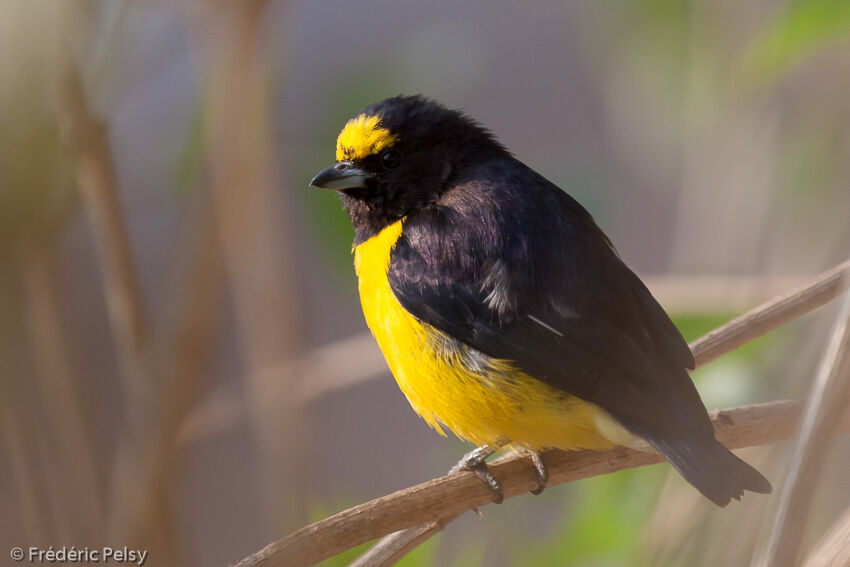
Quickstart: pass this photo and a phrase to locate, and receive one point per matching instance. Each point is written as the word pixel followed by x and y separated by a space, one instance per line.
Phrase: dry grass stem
pixel 21 471
pixel 825 405
pixel 59 393
pixel 86 138
pixel 256 239
pixel 140 498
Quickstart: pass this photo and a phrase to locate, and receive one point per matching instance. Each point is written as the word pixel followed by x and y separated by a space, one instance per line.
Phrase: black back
pixel 511 265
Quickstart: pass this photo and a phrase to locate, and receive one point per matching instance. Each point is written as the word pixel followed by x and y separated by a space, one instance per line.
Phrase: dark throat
pixel 369 214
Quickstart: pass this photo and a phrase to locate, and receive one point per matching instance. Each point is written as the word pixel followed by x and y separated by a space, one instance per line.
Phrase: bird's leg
pixel 476 461
pixel 542 472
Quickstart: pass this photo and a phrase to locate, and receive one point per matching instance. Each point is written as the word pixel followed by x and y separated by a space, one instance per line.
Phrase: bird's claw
pixel 476 461
pixel 541 470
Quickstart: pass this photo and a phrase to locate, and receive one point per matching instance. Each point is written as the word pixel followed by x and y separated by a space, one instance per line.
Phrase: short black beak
pixel 342 175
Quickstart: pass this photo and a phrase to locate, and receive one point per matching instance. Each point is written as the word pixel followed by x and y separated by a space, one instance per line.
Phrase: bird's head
pixel 399 155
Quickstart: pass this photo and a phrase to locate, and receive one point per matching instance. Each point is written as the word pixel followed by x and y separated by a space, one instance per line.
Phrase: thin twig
pixel 718 342
pixel 824 407
pixel 391 549
pixel 771 315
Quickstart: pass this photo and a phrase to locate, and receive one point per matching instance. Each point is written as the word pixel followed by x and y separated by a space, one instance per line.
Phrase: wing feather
pixel 531 278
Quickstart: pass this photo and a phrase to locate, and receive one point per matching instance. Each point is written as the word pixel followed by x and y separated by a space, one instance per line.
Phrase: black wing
pixel 514 267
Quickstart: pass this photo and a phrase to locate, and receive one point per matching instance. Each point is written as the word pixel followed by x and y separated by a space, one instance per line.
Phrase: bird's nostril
pixel 341 166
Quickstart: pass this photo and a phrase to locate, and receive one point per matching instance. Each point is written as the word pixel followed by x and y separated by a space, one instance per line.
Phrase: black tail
pixel 712 469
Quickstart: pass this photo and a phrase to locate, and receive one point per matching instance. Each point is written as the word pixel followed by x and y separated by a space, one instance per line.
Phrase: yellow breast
pixel 489 402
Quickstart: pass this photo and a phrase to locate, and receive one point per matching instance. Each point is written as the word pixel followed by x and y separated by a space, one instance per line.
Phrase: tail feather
pixel 712 469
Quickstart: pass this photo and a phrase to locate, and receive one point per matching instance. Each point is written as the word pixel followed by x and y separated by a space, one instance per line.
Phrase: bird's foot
pixel 476 461
pixel 541 470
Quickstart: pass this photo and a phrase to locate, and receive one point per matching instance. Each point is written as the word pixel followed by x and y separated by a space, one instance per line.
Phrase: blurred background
pixel 184 366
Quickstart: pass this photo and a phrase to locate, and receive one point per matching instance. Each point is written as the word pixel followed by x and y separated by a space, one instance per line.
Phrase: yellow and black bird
pixel 503 310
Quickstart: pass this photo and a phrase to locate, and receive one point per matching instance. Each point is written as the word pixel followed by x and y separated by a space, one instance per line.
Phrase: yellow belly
pixel 478 398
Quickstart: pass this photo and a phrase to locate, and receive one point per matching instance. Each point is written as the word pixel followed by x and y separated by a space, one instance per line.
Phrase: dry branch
pixel 453 494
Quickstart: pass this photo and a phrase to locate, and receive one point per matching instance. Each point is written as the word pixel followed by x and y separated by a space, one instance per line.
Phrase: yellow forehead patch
pixel 362 137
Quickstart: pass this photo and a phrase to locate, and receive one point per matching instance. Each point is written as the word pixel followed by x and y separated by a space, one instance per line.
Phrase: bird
pixel 504 312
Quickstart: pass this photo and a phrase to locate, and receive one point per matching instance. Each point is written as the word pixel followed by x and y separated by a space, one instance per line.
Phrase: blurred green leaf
pixel 422 556
pixel 605 524
pixel 795 32
pixel 471 554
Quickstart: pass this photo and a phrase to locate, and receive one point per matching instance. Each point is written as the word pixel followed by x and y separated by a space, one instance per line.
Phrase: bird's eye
pixel 390 159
